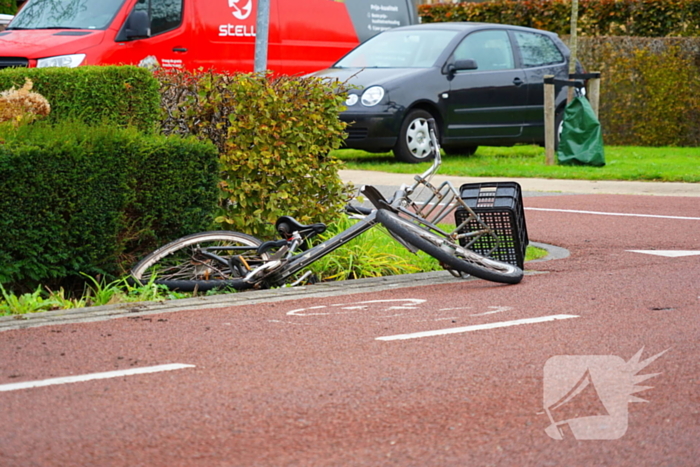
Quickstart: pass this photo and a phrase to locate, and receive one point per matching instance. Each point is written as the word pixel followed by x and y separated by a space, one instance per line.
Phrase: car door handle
pixel 517 81
pixel 179 49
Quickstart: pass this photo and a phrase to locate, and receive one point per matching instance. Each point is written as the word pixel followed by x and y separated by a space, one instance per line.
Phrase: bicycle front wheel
pixel 200 261
pixel 450 254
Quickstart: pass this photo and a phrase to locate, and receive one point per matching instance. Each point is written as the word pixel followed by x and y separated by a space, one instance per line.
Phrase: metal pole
pixel 573 45
pixel 261 34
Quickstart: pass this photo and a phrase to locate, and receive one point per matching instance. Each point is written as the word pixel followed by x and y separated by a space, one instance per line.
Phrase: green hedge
pixel 122 95
pixel 650 91
pixel 79 199
pixel 646 18
pixel 273 135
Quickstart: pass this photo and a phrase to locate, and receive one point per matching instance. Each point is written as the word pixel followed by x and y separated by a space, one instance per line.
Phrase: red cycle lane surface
pixel 348 381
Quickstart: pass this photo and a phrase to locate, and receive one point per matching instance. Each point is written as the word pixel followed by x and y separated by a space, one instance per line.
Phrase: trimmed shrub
pixel 173 188
pixel 121 95
pixel 273 135
pixel 79 199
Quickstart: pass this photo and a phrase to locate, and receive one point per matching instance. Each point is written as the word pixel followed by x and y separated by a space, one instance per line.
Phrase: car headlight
pixel 69 61
pixel 372 96
pixel 351 100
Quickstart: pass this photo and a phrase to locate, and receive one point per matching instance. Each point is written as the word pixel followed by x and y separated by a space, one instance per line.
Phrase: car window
pixel 398 49
pixel 69 14
pixel 537 49
pixel 165 14
pixel 490 49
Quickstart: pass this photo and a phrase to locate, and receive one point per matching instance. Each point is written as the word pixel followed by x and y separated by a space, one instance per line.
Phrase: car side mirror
pixel 461 65
pixel 136 26
pixel 466 64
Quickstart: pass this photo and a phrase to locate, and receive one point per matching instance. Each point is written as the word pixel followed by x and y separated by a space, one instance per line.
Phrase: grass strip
pixel 664 164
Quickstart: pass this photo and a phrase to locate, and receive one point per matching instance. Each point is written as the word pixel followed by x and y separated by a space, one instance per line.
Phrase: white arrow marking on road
pixel 477 327
pixel 92 376
pixel 668 253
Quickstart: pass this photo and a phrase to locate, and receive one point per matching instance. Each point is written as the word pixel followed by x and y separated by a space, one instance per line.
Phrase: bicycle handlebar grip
pixel 431 124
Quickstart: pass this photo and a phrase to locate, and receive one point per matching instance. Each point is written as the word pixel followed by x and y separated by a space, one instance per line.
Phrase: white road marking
pixel 495 309
pixel 477 327
pixel 498 309
pixel 456 308
pixel 92 376
pixel 668 253
pixel 614 214
pixel 405 304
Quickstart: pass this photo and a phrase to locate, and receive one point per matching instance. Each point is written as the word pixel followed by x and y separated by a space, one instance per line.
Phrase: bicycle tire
pixel 178 266
pixel 450 254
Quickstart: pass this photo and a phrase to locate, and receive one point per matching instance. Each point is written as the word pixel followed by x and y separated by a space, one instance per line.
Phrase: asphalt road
pixel 436 371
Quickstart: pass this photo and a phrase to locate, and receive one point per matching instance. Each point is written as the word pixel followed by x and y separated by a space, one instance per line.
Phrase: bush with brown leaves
pixel 22 105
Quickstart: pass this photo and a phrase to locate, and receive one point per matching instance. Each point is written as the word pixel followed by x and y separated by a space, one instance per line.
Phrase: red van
pixel 304 35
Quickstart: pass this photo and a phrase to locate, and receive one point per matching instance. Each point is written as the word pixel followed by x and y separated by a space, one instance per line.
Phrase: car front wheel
pixel 413 145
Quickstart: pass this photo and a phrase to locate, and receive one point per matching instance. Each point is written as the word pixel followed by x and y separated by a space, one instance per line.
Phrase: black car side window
pixel 165 14
pixel 537 50
pixel 490 49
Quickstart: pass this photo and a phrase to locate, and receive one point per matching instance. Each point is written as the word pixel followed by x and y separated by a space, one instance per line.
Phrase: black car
pixel 483 84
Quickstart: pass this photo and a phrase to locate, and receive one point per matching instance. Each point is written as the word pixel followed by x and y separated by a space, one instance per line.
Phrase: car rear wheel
pixel 413 145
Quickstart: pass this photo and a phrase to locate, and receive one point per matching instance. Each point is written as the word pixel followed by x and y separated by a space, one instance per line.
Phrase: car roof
pixel 467 26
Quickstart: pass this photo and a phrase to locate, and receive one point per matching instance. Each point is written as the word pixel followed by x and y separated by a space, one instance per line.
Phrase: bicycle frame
pixel 295 263
pixel 251 263
pixel 442 201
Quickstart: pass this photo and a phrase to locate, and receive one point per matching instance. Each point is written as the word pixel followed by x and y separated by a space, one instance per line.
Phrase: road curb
pixel 553 252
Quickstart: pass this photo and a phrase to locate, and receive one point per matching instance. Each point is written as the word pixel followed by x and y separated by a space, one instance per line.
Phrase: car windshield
pixel 399 49
pixel 67 14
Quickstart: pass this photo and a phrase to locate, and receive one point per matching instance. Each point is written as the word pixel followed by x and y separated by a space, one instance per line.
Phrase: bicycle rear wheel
pixel 450 254
pixel 200 261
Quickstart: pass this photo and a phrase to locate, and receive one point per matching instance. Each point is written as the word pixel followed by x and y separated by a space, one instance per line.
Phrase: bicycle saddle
pixel 287 225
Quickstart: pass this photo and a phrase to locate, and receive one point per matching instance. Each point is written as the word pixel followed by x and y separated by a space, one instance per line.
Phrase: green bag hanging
pixel 581 140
